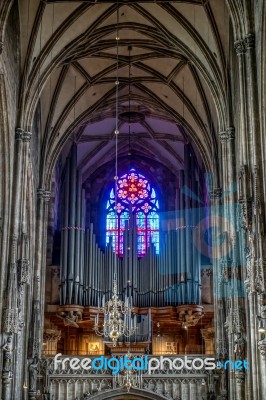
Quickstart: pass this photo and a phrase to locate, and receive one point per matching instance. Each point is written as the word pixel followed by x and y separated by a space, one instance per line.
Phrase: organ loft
pixel 170 290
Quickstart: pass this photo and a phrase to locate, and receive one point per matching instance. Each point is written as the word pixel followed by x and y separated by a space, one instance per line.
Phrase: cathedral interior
pixel 132 198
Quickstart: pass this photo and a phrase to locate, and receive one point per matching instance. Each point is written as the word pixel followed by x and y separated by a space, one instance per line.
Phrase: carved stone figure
pixel 7 348
pixel 33 373
pixel 239 348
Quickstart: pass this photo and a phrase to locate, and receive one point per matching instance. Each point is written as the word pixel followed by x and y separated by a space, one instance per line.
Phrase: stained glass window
pixel 135 196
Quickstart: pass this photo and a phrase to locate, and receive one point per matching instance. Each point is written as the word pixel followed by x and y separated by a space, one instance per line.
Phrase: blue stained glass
pixel 134 193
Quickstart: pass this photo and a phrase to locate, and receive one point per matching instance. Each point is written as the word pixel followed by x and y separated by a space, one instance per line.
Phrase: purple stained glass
pixel 134 194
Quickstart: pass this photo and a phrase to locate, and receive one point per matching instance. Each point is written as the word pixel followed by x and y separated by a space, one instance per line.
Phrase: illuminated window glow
pixel 134 195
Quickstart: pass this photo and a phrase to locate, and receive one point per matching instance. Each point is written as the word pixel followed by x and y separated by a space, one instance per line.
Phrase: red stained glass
pixel 136 195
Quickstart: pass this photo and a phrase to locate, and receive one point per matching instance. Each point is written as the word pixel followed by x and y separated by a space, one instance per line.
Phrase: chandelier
pixel 130 377
pixel 118 321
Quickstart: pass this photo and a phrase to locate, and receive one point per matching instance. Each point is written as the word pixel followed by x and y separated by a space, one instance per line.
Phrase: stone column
pixel 242 133
pixel 253 109
pixel 262 344
pixel 12 318
pixel 240 385
pixel 23 273
pixel 43 197
pixel 218 284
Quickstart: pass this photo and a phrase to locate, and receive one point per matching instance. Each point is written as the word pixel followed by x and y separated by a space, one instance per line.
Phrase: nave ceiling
pixel 178 60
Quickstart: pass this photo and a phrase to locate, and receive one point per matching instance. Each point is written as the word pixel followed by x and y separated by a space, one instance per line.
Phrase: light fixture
pixel 129 378
pixel 25 386
pixel 118 321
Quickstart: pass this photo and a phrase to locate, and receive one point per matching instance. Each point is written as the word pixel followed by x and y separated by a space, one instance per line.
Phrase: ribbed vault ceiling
pixel 178 63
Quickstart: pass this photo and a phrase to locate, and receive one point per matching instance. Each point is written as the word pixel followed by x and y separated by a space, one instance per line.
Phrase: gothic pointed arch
pixel 136 394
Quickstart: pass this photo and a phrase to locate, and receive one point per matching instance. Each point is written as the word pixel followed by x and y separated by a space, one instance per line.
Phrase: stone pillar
pixel 262 342
pixel 252 315
pixel 23 272
pixel 13 312
pixel 242 133
pixel 253 109
pixel 221 347
pixel 240 385
pixel 38 289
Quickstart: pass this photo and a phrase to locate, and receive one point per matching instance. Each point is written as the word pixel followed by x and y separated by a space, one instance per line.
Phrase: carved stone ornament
pixel 223 136
pixel 26 136
pixel 43 194
pixel 71 315
pixel 240 377
pixel 262 350
pixel 235 321
pixel 51 335
pixel 239 346
pixel 221 349
pixel 255 276
pixel 23 269
pixel 245 215
pixel 7 349
pixel 216 194
pixel 10 320
pixel 189 315
pixel 208 333
pixel 250 41
pixel 33 373
pixel 230 133
pixel 240 47
pixel 19 133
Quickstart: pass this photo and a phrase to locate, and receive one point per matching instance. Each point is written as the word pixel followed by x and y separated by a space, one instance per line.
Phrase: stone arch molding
pixel 133 394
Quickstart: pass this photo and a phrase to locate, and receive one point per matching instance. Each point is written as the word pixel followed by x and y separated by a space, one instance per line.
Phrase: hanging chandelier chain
pixel 116 117
pixel 129 99
pixel 117 313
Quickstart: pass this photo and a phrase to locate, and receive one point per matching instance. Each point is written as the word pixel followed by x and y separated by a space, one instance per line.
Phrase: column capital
pixel 240 47
pixel 223 136
pixel 43 194
pixel 47 195
pixel 208 333
pixel 10 320
pixel 262 348
pixel 51 335
pixel 227 134
pixel 250 41
pixel 26 137
pixel 216 194
pixel 19 133
pixel 230 132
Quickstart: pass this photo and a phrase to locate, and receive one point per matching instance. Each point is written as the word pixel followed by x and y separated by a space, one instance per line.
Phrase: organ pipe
pixel 171 277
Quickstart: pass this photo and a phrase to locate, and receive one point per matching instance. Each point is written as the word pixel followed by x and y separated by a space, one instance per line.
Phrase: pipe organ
pixel 172 277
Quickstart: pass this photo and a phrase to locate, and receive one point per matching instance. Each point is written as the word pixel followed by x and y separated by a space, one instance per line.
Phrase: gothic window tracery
pixel 136 197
